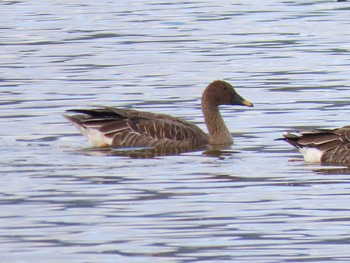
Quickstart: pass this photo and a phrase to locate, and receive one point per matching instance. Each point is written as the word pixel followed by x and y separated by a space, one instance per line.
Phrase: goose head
pixel 220 92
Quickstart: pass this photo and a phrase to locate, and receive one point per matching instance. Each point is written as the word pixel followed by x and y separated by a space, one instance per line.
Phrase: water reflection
pixel 136 153
pixel 333 170
pixel 218 151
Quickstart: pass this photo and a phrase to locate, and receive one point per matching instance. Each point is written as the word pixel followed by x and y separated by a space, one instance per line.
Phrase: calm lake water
pixel 62 203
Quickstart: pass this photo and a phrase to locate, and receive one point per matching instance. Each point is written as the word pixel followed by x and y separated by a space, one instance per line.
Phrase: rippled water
pixel 62 204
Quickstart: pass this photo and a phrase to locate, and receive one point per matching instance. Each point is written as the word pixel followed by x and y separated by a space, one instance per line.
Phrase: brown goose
pixel 324 146
pixel 116 127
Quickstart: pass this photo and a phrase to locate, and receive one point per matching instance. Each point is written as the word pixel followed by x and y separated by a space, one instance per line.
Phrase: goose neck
pixel 218 131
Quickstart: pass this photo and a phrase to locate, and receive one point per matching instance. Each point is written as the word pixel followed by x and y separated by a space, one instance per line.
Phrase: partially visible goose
pixel 324 146
pixel 116 127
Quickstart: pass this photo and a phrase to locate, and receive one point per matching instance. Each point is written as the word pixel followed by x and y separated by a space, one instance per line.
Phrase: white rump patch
pixel 96 138
pixel 311 155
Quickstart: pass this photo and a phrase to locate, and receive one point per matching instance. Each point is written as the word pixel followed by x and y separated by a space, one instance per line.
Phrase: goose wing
pixel 340 154
pixel 131 128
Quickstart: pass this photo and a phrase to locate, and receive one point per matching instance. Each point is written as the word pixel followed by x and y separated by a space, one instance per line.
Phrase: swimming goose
pixel 323 145
pixel 117 127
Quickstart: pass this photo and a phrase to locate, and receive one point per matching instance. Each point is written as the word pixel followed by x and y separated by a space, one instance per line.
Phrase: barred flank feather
pixel 141 129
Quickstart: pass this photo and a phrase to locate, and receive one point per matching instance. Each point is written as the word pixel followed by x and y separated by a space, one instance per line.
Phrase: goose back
pixel 130 128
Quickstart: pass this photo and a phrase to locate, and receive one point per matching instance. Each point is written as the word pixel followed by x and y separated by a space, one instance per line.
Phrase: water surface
pixel 251 204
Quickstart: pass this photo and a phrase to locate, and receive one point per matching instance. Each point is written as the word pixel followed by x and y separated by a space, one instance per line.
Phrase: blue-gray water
pixel 60 203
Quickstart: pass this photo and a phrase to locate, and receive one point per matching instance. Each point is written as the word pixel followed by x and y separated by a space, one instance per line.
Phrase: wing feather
pixel 134 128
